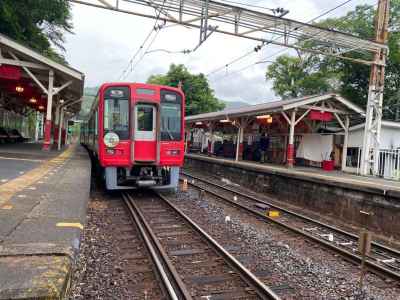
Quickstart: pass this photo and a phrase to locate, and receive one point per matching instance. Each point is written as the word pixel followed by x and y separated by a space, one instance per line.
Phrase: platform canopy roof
pixel 25 76
pixel 331 102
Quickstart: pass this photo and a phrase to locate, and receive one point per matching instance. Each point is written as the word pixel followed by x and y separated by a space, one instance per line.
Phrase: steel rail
pixel 259 287
pixel 372 266
pixel 303 217
pixel 176 289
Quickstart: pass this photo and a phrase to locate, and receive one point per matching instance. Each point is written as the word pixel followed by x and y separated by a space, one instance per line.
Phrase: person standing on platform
pixel 264 143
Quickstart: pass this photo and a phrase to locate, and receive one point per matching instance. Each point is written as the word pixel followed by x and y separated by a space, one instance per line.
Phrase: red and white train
pixel 136 133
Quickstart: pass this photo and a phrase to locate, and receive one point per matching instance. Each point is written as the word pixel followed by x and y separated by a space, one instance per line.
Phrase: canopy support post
pixel 290 149
pixel 345 143
pixel 60 129
pixel 47 126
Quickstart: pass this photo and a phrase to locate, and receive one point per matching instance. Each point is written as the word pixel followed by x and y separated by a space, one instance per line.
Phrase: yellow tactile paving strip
pixel 70 225
pixel 9 189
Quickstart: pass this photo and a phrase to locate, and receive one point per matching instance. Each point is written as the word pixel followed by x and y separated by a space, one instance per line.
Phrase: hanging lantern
pixel 32 100
pixel 19 89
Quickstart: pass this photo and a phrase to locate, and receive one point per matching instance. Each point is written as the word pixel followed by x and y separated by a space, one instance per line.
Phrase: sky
pixel 103 43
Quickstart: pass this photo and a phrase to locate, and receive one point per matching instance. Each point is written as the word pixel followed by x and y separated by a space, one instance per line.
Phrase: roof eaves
pixel 39 57
pixel 350 105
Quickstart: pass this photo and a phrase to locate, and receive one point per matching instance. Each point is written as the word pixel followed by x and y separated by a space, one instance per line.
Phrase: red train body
pixel 136 132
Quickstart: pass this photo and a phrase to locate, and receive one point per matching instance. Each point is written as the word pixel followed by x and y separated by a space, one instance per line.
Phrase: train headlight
pixel 111 139
pixel 173 152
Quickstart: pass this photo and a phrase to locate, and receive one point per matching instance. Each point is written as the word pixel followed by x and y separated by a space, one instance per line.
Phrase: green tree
pixel 299 76
pixel 38 24
pixel 200 97
pixel 355 77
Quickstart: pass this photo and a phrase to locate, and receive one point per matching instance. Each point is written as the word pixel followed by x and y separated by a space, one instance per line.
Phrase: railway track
pixel 143 281
pixel 191 264
pixel 382 260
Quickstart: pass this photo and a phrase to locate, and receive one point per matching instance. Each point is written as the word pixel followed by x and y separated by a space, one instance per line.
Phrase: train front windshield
pixel 171 116
pixel 116 113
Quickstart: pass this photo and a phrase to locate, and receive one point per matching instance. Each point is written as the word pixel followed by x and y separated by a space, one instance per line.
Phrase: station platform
pixel 335 195
pixel 43 202
pixel 337 178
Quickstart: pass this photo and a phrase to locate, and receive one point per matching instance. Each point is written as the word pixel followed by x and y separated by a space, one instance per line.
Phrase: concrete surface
pixel 42 214
pixel 17 159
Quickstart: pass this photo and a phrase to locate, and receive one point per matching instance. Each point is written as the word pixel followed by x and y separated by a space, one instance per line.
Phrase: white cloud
pixel 104 42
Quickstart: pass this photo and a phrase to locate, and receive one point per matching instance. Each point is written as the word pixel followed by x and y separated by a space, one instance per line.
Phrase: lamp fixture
pixel 32 100
pixel 41 107
pixel 61 101
pixel 225 121
pixel 263 117
pixel 19 88
pixel 199 123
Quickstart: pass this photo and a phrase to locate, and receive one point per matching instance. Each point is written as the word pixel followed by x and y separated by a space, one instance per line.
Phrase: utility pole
pixel 373 120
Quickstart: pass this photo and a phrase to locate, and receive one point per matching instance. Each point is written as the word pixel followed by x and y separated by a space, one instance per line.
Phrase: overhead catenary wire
pixel 154 28
pixel 251 65
pixel 135 55
pixel 281 51
pixel 146 51
pixel 252 51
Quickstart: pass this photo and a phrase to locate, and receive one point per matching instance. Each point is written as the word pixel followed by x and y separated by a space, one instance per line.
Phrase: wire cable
pixel 146 51
pixel 125 72
pixel 283 50
pixel 252 51
pixel 135 55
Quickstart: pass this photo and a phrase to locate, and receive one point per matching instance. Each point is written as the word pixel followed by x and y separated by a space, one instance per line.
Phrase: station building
pixel 323 131
pixel 37 95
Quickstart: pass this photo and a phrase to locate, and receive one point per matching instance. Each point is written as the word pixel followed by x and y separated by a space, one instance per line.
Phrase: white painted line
pixel 22 159
pixel 4 180
pixel 21 196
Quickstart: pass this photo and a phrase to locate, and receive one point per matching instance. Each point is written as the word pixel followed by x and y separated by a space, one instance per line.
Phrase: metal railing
pixel 388 164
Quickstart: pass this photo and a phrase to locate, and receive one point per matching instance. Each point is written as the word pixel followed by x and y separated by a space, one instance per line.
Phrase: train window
pixel 116 117
pixel 145 118
pixel 171 121
pixel 96 123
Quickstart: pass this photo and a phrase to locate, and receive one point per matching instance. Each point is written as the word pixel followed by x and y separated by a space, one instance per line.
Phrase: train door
pixel 145 133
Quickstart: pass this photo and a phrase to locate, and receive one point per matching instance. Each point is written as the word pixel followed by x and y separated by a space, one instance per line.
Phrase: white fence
pixel 388 164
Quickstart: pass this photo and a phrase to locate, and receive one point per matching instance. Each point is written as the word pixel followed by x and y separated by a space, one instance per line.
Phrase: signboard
pixel 316 115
